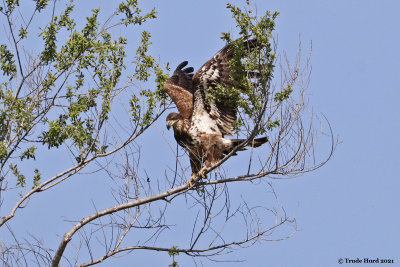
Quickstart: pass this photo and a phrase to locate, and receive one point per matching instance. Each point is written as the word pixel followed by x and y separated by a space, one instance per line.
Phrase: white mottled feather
pixel 203 123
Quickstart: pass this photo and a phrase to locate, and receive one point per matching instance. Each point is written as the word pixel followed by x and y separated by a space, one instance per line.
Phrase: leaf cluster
pixel 143 105
pixel 7 62
pixel 252 65
pixel 66 95
pixel 172 253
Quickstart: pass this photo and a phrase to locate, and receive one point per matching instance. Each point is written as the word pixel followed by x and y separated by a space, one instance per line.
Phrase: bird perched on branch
pixel 201 124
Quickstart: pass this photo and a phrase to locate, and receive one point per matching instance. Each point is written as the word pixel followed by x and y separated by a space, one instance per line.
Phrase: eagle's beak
pixel 170 123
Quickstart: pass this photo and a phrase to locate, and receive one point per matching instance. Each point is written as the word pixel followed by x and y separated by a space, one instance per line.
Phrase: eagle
pixel 201 125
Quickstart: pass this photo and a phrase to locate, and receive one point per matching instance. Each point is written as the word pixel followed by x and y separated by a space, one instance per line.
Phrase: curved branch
pixel 68 236
pixel 188 251
pixel 71 171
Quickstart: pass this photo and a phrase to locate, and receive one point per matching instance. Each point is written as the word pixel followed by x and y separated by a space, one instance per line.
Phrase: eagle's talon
pixel 201 172
pixel 191 181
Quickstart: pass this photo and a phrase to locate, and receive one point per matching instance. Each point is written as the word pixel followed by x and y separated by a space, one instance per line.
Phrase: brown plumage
pixel 200 125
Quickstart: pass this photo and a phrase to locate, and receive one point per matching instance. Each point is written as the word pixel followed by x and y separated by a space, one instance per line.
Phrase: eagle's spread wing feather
pixel 217 71
pixel 201 124
pixel 180 88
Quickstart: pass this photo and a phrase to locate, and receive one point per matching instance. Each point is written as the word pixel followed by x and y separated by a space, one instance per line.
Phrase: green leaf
pixel 174 264
pixel 23 33
pixel 20 177
pixel 3 151
pixel 36 178
pixel 28 153
pixel 283 94
pixel 7 62
pixel 41 4
pixel 172 251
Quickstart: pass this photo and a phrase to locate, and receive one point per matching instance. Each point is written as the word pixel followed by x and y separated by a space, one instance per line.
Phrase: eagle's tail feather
pixel 256 143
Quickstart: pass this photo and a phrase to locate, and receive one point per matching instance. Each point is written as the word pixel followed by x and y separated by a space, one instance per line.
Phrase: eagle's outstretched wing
pixel 180 88
pixel 201 124
pixel 217 71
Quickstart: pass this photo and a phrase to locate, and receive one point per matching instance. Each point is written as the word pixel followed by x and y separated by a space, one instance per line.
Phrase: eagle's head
pixel 172 118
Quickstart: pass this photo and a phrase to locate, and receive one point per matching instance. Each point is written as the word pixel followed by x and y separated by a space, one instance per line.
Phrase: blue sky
pixel 349 207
